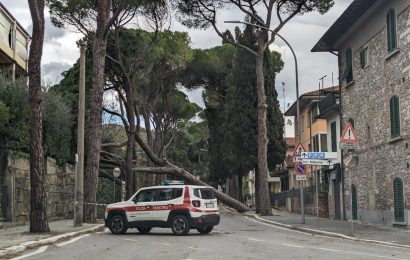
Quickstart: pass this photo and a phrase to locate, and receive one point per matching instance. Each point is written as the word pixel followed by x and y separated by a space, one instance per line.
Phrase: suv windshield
pixel 204 193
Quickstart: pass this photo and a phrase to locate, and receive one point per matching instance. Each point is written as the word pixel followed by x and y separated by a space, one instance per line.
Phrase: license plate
pixel 209 205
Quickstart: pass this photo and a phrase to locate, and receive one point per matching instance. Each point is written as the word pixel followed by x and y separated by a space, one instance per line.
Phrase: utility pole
pixel 79 201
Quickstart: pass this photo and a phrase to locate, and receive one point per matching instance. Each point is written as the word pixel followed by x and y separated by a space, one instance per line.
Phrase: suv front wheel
pixel 118 225
pixel 180 225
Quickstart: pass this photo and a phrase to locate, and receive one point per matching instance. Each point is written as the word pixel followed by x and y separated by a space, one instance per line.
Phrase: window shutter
pixel 362 58
pixel 391 31
pixel 347 75
pixel 398 200
pixel 394 117
pixel 333 136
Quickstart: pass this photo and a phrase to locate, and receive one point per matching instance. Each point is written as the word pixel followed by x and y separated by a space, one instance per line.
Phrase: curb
pixel 325 233
pixel 46 241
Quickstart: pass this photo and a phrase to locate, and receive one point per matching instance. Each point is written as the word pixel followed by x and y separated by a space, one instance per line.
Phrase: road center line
pixel 290 245
pixel 72 240
pixel 39 251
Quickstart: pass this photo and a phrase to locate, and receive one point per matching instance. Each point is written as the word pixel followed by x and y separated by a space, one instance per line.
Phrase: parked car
pixel 179 207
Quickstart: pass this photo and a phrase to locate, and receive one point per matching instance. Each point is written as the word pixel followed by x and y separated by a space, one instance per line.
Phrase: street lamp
pixel 116 173
pixel 297 99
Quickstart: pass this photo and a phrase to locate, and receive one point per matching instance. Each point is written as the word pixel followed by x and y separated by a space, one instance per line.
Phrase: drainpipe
pixel 14 44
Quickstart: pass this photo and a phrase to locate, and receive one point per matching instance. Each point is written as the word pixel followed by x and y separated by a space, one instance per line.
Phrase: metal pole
pixel 302 203
pixel 114 188
pixel 351 201
pixel 80 140
pixel 317 197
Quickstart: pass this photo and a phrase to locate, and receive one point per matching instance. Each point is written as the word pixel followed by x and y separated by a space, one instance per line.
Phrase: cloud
pixel 51 72
pixel 51 33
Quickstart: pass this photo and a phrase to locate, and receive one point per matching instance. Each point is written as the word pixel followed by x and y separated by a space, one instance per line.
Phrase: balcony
pixel 328 105
pixel 14 42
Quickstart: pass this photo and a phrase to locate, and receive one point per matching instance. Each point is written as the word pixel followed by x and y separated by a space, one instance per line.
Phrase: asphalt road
pixel 236 237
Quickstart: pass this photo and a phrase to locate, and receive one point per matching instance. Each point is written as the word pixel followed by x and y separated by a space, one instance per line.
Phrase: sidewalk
pixel 379 234
pixel 15 239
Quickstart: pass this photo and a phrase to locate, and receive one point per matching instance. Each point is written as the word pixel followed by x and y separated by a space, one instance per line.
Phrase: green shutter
pixel 362 58
pixel 354 202
pixel 347 75
pixel 398 200
pixel 395 117
pixel 333 136
pixel 391 31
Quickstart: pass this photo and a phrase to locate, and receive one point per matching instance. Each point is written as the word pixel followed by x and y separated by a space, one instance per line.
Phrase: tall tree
pixel 38 196
pixel 203 13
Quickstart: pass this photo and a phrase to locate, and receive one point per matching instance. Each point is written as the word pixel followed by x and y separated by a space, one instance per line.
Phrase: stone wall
pixel 367 101
pixel 15 175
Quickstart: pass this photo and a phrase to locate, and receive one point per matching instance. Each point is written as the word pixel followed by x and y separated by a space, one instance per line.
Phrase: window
pixel 364 56
pixel 398 200
pixel 333 136
pixel 348 73
pixel 323 143
pixel 314 112
pixel 394 117
pixel 204 193
pixel 391 31
pixel 146 196
pixel 316 143
pixel 169 194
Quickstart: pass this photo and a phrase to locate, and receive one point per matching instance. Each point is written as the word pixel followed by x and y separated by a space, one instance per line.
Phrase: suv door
pixel 143 205
pixel 166 200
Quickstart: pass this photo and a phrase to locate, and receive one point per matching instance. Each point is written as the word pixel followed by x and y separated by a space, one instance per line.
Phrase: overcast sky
pixel 60 50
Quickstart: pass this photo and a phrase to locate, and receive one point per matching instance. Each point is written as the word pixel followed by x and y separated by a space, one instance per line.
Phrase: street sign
pixel 299 149
pixel 349 135
pixel 301 177
pixel 349 146
pixel 300 168
pixel 297 159
pixel 318 155
pixel 316 162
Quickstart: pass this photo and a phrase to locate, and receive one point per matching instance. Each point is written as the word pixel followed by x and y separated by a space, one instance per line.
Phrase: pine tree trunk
pixel 263 207
pixel 129 155
pixel 95 117
pixel 38 203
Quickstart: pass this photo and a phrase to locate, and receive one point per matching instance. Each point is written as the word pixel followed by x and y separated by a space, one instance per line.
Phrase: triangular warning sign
pixel 349 135
pixel 299 150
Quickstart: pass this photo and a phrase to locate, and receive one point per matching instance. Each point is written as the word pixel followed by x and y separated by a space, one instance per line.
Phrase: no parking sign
pixel 300 168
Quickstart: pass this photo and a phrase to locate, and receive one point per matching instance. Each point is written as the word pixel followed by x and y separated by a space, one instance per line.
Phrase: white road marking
pixel 72 240
pixel 164 244
pixel 132 240
pixel 39 251
pixel 254 239
pixel 290 245
pixel 196 248
pixel 328 249
pixel 271 225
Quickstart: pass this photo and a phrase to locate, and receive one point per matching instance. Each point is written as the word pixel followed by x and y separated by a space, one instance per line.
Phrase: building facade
pixel 14 41
pixel 372 41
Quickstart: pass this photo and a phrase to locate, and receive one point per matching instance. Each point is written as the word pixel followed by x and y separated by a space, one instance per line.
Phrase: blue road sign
pixel 300 168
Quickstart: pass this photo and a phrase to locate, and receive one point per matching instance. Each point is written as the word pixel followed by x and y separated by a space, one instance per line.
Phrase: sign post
pixel 350 142
pixel 116 173
pixel 296 154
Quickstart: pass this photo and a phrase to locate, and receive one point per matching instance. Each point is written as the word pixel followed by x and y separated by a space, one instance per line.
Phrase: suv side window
pixel 204 193
pixel 146 196
pixel 169 194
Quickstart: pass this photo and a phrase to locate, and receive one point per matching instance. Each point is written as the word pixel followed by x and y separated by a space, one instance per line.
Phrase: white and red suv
pixel 179 207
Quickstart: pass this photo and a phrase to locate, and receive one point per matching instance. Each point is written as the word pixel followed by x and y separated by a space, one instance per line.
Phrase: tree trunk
pixel 263 207
pixel 38 203
pixel 129 155
pixel 95 117
pixel 240 184
pixel 174 170
pixel 149 180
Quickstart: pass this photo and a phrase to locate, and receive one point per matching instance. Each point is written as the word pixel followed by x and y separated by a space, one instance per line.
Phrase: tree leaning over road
pixel 38 212
pixel 203 14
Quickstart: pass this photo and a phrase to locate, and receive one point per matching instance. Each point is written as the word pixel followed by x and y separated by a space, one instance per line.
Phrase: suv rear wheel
pixel 144 230
pixel 205 230
pixel 180 225
pixel 118 225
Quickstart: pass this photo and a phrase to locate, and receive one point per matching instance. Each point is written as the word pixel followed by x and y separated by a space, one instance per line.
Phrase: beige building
pixel 14 41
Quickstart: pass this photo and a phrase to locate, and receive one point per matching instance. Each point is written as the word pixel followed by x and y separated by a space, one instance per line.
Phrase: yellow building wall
pixel 318 127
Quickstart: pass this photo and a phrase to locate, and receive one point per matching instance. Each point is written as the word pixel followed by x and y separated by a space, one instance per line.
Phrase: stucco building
pixel 372 42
